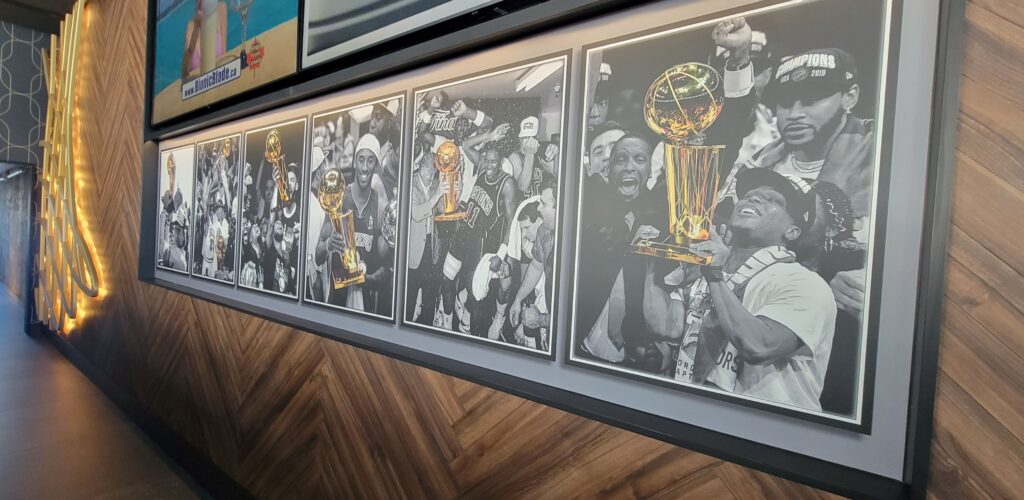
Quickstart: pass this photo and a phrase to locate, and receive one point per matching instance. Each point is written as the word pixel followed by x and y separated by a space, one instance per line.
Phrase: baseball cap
pixel 528 127
pixel 818 72
pixel 799 200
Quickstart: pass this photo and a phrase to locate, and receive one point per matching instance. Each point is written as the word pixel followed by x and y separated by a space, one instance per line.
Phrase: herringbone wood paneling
pixel 288 414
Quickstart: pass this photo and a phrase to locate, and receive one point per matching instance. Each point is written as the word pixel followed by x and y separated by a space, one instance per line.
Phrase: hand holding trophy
pixel 275 155
pixel 446 160
pixel 344 265
pixel 680 105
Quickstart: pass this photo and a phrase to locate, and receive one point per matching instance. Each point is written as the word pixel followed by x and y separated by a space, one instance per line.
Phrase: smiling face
pixel 630 167
pixel 600 149
pixel 366 165
pixel 278 230
pixel 491 164
pixel 760 217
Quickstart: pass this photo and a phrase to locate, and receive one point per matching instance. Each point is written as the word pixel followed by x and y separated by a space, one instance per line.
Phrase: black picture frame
pixel 238 202
pixel 566 98
pixel 880 213
pixel 303 183
pixel 399 237
pixel 794 466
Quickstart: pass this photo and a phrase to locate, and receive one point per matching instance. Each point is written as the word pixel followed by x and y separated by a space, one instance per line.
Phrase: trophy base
pixel 356 279
pixel 668 251
pixel 450 217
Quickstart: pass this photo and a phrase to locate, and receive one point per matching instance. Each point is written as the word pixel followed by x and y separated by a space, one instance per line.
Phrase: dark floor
pixel 60 437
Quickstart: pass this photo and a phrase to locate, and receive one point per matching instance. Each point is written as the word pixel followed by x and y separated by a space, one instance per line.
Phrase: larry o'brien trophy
pixel 344 266
pixel 275 155
pixel 446 160
pixel 680 105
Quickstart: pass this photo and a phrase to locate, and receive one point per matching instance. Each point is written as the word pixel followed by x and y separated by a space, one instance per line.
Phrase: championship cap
pixel 800 201
pixel 816 73
pixel 529 126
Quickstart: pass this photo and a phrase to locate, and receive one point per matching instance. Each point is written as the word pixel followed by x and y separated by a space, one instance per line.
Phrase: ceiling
pixel 40 15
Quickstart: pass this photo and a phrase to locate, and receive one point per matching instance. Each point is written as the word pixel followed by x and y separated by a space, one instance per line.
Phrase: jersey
pixel 483 210
pixel 536 180
pixel 366 225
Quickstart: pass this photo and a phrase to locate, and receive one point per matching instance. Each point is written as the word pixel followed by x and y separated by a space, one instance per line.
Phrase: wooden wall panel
pixel 288 414
pixel 14 234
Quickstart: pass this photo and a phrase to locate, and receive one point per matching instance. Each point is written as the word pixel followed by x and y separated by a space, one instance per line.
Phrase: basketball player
pixel 175 222
pixel 529 169
pixel 367 207
pixel 488 204
pixel 754 321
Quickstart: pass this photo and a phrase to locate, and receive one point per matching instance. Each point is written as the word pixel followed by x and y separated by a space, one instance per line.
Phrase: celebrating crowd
pixel 785 286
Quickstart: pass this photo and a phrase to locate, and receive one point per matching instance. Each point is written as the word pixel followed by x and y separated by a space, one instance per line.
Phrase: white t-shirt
pixel 800 300
pixel 598 342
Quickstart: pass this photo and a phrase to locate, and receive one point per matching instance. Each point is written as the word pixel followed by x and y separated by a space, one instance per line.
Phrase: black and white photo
pixel 353 207
pixel 272 180
pixel 174 224
pixel 216 209
pixel 482 245
pixel 727 198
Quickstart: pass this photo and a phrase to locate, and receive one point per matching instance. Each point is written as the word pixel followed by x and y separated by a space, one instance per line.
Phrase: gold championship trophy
pixel 446 160
pixel 170 172
pixel 275 155
pixel 344 266
pixel 221 248
pixel 680 105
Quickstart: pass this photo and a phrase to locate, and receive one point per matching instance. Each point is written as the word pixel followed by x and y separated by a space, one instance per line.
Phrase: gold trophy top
pixel 446 159
pixel 227 148
pixel 683 102
pixel 274 153
pixel 170 169
pixel 331 192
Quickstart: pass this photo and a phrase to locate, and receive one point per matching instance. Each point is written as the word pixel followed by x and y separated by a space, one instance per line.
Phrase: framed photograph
pixel 207 50
pixel 271 222
pixel 687 229
pixel 174 219
pixel 728 215
pixel 485 203
pixel 352 213
pixel 216 209
pixel 334 29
